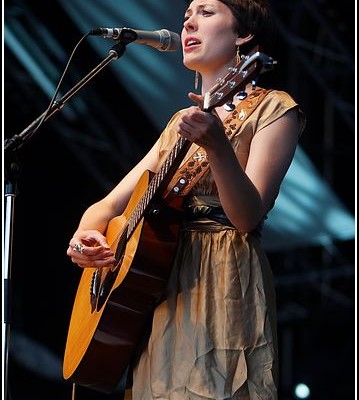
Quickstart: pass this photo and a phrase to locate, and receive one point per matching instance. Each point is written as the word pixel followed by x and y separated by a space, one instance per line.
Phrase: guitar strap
pixel 197 164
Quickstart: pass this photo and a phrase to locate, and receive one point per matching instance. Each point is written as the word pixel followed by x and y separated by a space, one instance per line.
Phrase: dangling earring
pixel 196 80
pixel 238 56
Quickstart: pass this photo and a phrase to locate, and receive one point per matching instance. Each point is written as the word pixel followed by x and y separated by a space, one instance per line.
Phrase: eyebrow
pixel 200 7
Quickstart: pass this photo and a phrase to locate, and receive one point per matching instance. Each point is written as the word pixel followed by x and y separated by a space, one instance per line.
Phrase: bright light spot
pixel 302 391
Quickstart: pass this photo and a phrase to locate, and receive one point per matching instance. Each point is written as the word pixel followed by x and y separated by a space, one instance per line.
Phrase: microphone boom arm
pixel 16 141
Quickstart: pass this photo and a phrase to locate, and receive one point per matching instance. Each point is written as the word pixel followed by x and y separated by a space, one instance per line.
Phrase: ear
pixel 242 40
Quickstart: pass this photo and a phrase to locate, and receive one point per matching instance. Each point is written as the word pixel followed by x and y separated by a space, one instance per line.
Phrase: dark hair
pixel 254 17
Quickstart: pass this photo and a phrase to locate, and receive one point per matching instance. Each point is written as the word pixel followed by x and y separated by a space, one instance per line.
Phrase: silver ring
pixel 78 247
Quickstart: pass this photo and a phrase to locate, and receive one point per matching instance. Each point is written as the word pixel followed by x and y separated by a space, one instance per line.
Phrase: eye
pixel 207 12
pixel 204 12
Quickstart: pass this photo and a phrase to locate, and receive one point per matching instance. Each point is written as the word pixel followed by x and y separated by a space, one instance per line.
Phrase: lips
pixel 191 41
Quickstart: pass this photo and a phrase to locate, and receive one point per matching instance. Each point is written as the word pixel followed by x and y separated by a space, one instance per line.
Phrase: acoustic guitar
pixel 114 305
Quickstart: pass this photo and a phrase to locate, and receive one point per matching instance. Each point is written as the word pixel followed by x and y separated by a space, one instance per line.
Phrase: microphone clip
pixel 126 35
pixel 123 35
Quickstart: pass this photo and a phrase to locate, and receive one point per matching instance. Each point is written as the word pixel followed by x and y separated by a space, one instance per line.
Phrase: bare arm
pixel 248 195
pixel 93 223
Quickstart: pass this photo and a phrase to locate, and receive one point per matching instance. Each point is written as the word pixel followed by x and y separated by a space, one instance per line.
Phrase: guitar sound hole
pixel 95 288
pixel 121 247
pixel 106 288
pixel 110 278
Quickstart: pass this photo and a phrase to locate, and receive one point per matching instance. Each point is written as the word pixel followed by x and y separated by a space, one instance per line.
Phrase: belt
pixel 217 214
pixel 213 213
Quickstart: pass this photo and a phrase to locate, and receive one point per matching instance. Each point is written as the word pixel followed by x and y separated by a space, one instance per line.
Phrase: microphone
pixel 162 40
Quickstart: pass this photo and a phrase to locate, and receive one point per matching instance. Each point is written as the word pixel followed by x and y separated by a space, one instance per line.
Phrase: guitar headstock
pixel 248 69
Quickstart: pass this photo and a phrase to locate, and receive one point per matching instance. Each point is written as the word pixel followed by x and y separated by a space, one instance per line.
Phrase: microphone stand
pixel 12 171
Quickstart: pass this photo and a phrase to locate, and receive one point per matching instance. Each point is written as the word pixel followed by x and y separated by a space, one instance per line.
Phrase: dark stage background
pixel 81 152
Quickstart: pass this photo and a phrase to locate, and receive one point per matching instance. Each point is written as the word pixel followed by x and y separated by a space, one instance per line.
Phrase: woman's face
pixel 208 36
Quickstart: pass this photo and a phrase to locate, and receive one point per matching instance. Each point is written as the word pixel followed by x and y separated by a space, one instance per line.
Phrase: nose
pixel 190 24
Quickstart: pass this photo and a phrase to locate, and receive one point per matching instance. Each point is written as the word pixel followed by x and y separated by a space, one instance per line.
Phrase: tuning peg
pixel 229 106
pixel 241 95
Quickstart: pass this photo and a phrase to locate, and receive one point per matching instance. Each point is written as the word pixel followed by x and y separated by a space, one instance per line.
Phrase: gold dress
pixel 214 336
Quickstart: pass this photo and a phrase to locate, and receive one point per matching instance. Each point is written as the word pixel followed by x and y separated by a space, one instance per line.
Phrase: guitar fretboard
pixel 159 182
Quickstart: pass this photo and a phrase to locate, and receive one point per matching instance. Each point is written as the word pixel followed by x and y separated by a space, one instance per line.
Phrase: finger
pixel 86 246
pixel 88 253
pixel 185 127
pixel 196 98
pixel 95 264
pixel 100 240
pixel 78 247
pixel 90 238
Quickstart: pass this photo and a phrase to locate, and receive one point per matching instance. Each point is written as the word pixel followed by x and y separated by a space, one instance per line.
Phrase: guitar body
pixel 108 323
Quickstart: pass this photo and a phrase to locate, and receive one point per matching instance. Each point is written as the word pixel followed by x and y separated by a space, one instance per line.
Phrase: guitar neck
pixel 159 182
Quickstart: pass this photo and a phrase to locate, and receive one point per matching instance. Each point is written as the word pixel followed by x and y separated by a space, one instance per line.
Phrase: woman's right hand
pixel 89 249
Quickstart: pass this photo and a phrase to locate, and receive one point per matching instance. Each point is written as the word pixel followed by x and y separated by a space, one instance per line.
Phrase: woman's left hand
pixel 201 127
